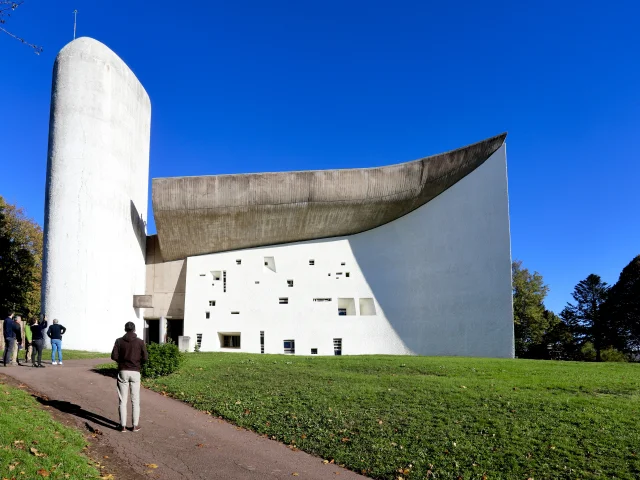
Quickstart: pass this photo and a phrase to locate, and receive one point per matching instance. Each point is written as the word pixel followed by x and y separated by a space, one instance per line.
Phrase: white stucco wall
pixel 97 180
pixel 439 277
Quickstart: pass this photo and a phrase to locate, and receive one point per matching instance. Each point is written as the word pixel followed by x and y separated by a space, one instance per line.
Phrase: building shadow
pixel 78 411
pixel 139 227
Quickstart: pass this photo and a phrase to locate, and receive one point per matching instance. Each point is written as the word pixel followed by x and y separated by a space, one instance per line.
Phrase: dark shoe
pixel 136 428
pixel 41 366
pixel 122 428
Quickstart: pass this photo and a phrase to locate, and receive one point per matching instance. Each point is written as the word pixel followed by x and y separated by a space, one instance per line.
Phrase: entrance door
pixel 152 332
pixel 175 329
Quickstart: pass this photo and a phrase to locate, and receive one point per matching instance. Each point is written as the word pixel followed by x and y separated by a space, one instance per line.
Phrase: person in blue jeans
pixel 55 333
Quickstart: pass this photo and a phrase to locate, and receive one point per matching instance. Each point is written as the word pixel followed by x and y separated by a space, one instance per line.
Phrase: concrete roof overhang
pixel 208 214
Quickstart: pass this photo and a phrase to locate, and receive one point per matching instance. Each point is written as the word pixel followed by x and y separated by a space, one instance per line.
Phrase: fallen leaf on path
pixel 43 473
pixel 294 474
pixel 151 465
pixel 200 445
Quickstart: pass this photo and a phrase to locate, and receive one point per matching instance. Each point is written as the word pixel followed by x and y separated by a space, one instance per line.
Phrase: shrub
pixel 612 355
pixel 588 352
pixel 163 360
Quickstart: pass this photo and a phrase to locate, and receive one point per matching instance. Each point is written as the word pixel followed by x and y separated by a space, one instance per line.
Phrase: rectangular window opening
pixel 229 340
pixel 289 347
pixel 346 306
pixel 312 262
pixel 238 262
pixel 216 274
pixel 347 274
pixel 337 346
pixel 257 282
pixel 212 303
pixel 261 341
pixel 289 283
pixel 199 340
pixel 321 299
pixel 314 351
pixel 207 315
pixel 235 313
pixel 224 280
pixel 283 300
pixel 203 274
pixel 367 307
pixel 343 263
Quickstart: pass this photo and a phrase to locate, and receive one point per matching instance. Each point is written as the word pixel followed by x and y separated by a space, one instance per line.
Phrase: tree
pixel 7 7
pixel 530 322
pixel 623 307
pixel 585 318
pixel 20 260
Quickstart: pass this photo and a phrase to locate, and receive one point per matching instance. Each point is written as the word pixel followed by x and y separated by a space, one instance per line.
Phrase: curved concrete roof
pixel 208 214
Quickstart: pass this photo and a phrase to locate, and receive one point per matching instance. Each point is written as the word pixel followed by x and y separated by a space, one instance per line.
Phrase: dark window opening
pixel 312 262
pixel 337 346
pixel 290 346
pixel 283 300
pixel 231 341
pixel 261 341
pixel 342 312
pixel 207 315
pixel 289 283
pixel 314 351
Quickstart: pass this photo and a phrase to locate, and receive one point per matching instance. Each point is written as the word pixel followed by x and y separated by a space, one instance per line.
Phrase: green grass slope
pixel 419 417
pixel 33 446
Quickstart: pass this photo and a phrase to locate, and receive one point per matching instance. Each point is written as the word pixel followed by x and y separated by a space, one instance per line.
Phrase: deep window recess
pixel 270 263
pixel 367 307
pixel 346 305
pixel 283 300
pixel 230 341
pixel 199 340
pixel 347 274
pixel 290 346
pixel 261 341
pixel 238 262
pixel 212 303
pixel 207 315
pixel 216 274
pixel 337 346
pixel 314 351
pixel 289 283
pixel 312 262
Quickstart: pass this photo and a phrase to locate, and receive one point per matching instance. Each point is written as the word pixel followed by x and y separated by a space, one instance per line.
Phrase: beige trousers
pixel 129 380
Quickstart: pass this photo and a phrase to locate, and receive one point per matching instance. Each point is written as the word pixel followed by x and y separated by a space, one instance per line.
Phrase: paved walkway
pixel 182 442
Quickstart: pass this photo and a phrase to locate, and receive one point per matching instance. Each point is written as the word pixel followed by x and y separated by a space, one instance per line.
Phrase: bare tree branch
pixel 6 8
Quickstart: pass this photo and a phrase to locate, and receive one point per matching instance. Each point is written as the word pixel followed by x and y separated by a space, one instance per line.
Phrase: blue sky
pixel 250 86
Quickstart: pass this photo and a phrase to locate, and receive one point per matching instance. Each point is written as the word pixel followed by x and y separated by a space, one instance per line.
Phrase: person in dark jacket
pixel 55 333
pixel 37 338
pixel 130 353
pixel 12 334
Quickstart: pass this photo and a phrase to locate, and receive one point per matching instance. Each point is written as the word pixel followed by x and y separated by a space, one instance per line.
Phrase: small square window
pixel 289 283
pixel 289 346
pixel 347 274
pixel 207 315
pixel 343 263
pixel 283 300
pixel 238 262
pixel 212 303
pixel 312 262
pixel 314 351
pixel 342 311
pixel 257 282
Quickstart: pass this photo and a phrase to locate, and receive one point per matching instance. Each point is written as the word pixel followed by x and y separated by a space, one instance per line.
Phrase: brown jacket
pixel 129 352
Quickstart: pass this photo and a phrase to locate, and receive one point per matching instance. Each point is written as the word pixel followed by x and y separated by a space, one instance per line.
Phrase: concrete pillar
pixel 163 328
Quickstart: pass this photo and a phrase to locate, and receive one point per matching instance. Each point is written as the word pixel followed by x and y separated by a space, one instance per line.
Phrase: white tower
pixel 96 198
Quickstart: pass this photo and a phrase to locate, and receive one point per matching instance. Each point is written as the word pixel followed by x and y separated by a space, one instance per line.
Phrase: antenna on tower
pixel 75 17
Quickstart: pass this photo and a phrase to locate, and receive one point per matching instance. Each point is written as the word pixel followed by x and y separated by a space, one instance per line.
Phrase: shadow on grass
pixel 78 411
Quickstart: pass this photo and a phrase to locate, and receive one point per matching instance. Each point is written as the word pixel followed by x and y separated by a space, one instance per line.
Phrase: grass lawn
pixel 429 416
pixel 66 355
pixel 34 446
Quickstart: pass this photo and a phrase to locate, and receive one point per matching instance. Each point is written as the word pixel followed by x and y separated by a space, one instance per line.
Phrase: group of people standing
pixel 29 336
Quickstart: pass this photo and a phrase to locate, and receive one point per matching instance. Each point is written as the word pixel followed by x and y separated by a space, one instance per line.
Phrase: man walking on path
pixel 37 338
pixel 55 333
pixel 11 334
pixel 130 353
pixel 19 340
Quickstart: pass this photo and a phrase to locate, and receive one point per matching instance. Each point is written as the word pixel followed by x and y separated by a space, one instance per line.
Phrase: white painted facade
pixel 438 281
pixel 97 191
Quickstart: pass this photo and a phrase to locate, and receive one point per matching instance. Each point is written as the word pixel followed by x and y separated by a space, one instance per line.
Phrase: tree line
pixel 602 323
pixel 20 261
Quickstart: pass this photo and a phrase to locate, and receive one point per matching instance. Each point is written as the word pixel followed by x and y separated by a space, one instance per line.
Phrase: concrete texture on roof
pixel 208 214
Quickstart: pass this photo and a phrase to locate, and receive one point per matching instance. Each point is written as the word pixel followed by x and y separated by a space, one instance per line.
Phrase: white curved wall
pixel 97 187
pixel 439 279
